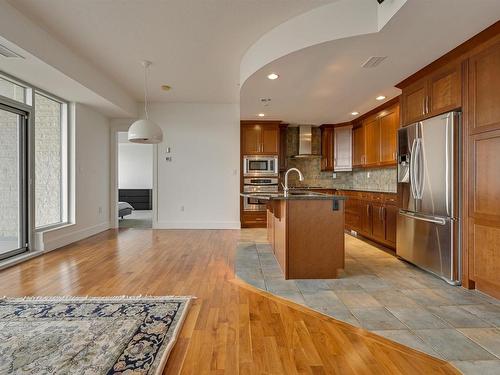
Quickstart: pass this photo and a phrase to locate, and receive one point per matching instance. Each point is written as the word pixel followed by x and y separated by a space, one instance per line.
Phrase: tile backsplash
pixel 373 179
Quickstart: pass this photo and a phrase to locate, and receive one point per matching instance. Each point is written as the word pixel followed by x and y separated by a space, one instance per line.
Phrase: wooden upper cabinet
pixel 260 138
pixel 445 90
pixel 358 146
pixel 389 124
pixel 270 140
pixel 436 93
pixel 372 141
pixel 484 92
pixel 251 139
pixel 327 138
pixel 414 102
pixel 283 154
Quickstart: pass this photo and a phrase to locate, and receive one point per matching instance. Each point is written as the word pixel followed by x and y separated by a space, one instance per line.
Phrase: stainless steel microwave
pixel 260 165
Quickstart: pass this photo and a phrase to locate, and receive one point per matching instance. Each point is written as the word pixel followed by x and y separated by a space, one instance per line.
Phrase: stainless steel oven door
pixel 253 204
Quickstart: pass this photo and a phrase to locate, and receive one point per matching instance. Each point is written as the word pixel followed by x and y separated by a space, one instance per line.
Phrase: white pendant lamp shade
pixel 145 130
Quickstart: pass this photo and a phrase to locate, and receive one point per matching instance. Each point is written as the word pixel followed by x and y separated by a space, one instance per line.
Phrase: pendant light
pixel 145 130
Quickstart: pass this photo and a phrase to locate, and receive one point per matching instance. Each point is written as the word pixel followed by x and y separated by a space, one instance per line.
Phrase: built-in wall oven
pixel 258 185
pixel 257 165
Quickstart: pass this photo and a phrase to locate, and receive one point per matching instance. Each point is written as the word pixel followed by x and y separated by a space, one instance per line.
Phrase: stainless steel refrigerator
pixel 429 179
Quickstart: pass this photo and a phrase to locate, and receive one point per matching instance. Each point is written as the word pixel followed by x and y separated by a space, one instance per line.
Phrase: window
pixel 51 167
pixel 14 91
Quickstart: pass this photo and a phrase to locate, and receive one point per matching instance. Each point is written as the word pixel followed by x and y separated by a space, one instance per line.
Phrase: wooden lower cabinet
pixel 372 215
pixel 255 219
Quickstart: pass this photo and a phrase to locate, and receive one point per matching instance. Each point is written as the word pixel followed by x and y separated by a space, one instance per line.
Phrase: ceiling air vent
pixel 5 52
pixel 373 61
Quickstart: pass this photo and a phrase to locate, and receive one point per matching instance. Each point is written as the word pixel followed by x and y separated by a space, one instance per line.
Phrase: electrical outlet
pixel 182 208
pixel 334 175
pixel 367 174
pixel 100 210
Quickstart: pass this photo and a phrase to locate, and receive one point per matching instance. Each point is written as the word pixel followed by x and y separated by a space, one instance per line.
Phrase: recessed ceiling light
pixel 166 87
pixel 272 76
pixel 261 115
pixel 354 113
pixel 380 97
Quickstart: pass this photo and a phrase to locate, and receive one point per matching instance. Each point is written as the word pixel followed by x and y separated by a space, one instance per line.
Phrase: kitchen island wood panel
pixel 308 237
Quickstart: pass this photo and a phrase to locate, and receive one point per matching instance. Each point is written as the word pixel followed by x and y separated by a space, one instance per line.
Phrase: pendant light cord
pixel 146 91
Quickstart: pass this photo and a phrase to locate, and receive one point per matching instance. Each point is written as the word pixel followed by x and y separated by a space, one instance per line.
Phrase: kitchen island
pixel 306 232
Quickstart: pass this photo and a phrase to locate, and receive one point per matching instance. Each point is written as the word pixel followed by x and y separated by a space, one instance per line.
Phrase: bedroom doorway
pixel 135 184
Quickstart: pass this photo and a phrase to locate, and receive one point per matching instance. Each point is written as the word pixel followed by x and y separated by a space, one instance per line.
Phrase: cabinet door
pixel 391 218
pixel 372 139
pixel 352 214
pixel 365 210
pixel 251 139
pixel 414 100
pixel 270 140
pixel 327 149
pixel 342 150
pixel 445 90
pixel 389 124
pixel 378 222
pixel 358 146
pixel 484 92
pixel 283 154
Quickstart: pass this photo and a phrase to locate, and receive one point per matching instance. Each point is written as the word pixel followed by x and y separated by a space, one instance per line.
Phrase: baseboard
pixel 51 240
pixel 197 225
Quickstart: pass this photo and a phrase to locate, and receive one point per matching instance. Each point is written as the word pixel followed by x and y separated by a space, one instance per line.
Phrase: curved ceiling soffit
pixel 340 19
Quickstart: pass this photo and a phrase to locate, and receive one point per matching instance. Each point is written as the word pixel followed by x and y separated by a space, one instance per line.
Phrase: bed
pixel 124 209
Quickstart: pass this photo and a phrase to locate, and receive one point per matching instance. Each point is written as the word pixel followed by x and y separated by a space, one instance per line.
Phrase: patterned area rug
pixel 78 335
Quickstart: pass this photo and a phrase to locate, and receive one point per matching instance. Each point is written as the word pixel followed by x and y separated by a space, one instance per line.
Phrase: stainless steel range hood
pixel 305 142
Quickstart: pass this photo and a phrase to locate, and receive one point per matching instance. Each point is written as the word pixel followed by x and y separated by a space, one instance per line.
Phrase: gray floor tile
pixel 258 283
pixel 488 338
pixel 372 282
pixel 487 312
pixel 458 317
pixel 427 297
pixel 418 317
pixel 377 318
pixel 322 298
pixel 408 338
pixel 343 284
pixel 274 285
pixel 312 285
pixel 491 367
pixel 393 298
pixel 264 248
pixel 453 345
pixel 460 296
pixel 357 299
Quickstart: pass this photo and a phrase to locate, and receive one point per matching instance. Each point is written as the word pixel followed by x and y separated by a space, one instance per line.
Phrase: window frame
pixel 67 198
pixel 65 184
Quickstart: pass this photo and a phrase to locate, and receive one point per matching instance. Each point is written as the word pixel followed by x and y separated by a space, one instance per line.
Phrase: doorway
pixel 13 184
pixel 135 184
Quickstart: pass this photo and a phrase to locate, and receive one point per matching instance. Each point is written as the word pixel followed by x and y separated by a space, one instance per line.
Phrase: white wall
pixel 135 166
pixel 90 214
pixel 199 188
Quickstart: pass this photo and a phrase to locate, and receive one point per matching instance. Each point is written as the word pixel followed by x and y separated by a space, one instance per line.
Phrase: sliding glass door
pixel 13 181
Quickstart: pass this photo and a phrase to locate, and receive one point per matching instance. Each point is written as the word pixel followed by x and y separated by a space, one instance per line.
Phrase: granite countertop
pixel 294 195
pixel 340 189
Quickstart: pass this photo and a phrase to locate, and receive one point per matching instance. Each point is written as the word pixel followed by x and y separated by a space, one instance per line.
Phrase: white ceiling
pixel 196 45
pixel 324 83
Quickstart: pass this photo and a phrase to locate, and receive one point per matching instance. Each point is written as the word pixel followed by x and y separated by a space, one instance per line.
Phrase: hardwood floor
pixel 231 328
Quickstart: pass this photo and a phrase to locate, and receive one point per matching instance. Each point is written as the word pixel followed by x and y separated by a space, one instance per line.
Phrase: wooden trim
pixel 347 123
pixel 260 122
pixel 381 107
pixel 459 53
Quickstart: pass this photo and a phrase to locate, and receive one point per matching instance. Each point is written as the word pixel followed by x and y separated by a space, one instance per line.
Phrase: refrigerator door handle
pixel 420 175
pixel 435 220
pixel 412 169
pixel 449 170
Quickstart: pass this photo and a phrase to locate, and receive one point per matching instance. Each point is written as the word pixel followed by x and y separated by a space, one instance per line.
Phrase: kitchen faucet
pixel 285 187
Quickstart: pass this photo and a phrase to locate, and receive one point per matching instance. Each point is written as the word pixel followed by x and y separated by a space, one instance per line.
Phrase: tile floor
pixel 390 297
